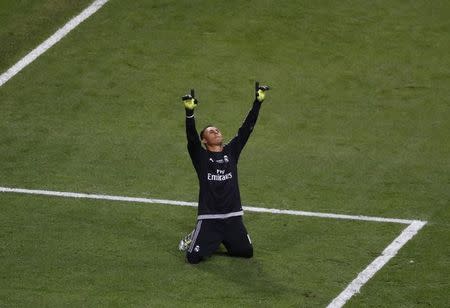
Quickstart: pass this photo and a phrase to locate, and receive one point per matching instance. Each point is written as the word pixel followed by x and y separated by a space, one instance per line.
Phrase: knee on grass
pixel 245 253
pixel 193 258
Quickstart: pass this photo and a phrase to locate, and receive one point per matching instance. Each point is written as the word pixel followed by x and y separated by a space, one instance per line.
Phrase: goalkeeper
pixel 220 211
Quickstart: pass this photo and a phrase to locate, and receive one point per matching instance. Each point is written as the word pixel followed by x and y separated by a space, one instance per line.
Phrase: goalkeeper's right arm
pixel 194 145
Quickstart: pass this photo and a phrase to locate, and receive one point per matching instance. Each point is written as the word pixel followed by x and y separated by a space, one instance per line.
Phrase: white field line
pixel 413 225
pixel 388 253
pixel 52 40
pixel 94 196
pixel 327 215
pixel 194 204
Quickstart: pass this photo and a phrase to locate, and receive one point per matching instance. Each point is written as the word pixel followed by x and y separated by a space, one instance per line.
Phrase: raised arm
pixel 239 141
pixel 193 141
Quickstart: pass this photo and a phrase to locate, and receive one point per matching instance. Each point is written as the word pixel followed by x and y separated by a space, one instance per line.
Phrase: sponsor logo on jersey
pixel 219 176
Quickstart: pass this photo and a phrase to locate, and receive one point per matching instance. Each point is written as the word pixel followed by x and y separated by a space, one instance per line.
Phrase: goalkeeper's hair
pixel 203 130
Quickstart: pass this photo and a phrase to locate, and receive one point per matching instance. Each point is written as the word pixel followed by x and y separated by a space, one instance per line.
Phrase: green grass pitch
pixel 357 123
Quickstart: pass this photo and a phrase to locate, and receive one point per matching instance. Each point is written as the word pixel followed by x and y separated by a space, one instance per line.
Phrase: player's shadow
pixel 249 274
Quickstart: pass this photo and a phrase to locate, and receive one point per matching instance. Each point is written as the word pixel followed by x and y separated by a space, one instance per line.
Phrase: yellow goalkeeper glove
pixel 261 92
pixel 189 102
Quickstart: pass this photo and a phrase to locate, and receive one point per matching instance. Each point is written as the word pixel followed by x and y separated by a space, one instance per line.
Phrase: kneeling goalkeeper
pixel 220 211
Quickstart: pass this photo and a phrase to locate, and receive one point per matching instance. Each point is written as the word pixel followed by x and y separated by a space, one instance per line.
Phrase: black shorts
pixel 210 233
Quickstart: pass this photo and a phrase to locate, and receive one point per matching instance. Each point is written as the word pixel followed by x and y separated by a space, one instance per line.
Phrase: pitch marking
pixel 407 234
pixel 388 253
pixel 354 287
pixel 52 40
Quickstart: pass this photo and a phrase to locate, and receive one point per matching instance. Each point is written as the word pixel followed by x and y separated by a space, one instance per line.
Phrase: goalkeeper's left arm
pixel 239 141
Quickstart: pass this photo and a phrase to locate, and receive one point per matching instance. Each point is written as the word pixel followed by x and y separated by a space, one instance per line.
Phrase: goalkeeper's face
pixel 212 136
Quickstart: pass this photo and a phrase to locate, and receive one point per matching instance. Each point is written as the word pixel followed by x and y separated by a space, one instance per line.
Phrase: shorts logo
pixel 197 248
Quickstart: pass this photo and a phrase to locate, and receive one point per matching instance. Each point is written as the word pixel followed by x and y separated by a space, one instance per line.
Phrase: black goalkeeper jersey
pixel 219 196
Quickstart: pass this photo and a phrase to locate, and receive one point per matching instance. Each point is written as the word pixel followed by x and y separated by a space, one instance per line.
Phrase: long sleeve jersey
pixel 219 195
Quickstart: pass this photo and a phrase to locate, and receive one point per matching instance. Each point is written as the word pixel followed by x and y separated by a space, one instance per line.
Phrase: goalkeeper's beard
pixel 214 145
pixel 216 141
